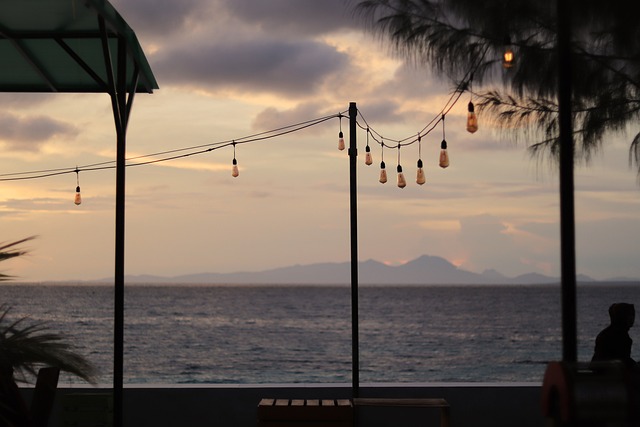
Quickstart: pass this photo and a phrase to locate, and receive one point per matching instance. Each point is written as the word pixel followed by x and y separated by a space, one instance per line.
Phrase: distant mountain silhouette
pixel 425 270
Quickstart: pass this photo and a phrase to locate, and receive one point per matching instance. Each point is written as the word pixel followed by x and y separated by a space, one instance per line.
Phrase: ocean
pixel 302 334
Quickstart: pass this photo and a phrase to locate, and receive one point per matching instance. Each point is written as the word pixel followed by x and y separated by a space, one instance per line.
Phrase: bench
pixel 334 412
pixel 305 412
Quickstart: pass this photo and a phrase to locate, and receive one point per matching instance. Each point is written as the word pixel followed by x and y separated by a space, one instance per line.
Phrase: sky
pixel 232 68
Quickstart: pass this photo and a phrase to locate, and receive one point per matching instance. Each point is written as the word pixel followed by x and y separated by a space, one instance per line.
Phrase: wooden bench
pixel 334 412
pixel 305 412
pixel 442 404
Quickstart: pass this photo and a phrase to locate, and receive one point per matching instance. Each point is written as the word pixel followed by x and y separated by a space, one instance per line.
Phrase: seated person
pixel 614 342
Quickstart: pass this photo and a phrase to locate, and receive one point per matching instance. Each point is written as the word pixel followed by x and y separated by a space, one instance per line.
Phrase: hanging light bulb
pixel 507 56
pixel 444 156
pixel 472 119
pixel 420 178
pixel 402 182
pixel 340 136
pixel 383 171
pixel 368 159
pixel 234 169
pixel 78 198
pixel 507 60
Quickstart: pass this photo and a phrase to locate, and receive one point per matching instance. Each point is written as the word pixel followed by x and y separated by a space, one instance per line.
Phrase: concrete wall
pixel 477 405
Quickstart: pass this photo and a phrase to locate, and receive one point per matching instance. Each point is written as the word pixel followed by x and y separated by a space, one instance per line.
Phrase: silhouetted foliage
pixel 463 39
pixel 10 250
pixel 25 345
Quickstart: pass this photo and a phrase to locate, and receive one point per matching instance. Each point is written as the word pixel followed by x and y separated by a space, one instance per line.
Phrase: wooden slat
pixel 344 402
pixel 266 402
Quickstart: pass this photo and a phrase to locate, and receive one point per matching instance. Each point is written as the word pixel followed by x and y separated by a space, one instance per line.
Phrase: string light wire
pixel 169 155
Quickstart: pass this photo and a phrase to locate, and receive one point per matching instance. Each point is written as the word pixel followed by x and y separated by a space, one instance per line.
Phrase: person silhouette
pixel 614 342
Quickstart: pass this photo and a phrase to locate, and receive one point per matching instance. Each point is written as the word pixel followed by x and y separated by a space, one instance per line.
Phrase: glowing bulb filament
pixel 507 59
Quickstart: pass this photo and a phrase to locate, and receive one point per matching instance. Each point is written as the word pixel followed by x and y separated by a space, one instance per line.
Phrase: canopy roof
pixel 57 46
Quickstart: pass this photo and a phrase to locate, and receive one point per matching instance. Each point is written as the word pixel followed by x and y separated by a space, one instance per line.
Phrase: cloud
pixel 162 18
pixel 491 242
pixel 294 17
pixel 609 247
pixel 260 65
pixel 25 99
pixel 29 133
pixel 273 118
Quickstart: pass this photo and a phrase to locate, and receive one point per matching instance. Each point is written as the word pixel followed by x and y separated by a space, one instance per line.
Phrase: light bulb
pixel 340 141
pixel 507 59
pixel 78 198
pixel 368 160
pixel 234 170
pixel 401 181
pixel 444 156
pixel 472 119
pixel 383 173
pixel 420 178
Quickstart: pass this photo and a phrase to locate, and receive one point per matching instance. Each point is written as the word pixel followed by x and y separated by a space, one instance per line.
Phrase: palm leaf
pixel 8 251
pixel 26 346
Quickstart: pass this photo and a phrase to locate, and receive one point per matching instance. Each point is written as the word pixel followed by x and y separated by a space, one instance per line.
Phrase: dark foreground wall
pixel 500 405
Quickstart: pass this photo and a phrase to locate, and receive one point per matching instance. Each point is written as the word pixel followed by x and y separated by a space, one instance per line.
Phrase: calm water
pixel 289 334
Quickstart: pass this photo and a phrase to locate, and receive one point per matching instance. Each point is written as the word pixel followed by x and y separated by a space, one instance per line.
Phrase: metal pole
pixel 353 192
pixel 567 211
pixel 121 108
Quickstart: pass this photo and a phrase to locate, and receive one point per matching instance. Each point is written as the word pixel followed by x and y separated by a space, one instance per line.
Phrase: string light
pixel 420 178
pixel 383 171
pixel 368 159
pixel 234 169
pixel 401 181
pixel 444 155
pixel 340 136
pixel 185 152
pixel 507 57
pixel 472 119
pixel 78 198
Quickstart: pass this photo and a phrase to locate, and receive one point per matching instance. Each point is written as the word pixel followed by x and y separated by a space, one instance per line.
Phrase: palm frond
pixel 9 250
pixel 26 346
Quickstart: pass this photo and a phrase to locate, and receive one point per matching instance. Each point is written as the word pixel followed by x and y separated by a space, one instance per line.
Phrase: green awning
pixel 80 46
pixel 57 46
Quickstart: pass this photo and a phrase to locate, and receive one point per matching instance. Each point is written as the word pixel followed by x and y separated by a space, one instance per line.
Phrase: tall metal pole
pixel 121 108
pixel 567 210
pixel 353 192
